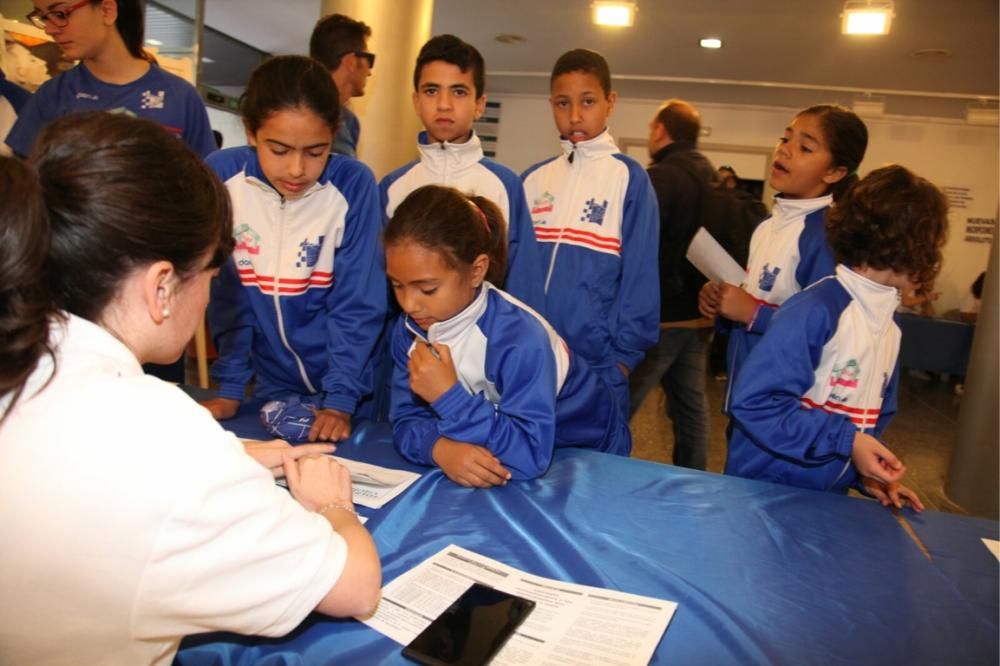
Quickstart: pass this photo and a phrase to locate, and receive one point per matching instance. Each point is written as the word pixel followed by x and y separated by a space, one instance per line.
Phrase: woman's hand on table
pixel 892 494
pixel 469 465
pixel 317 481
pixel 271 454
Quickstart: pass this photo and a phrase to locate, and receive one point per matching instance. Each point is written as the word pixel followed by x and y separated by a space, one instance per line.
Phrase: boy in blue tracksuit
pixel 301 303
pixel 449 96
pixel 820 387
pixel 597 225
pixel 483 387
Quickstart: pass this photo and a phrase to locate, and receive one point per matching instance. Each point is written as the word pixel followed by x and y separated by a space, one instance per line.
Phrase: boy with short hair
pixel 449 96
pixel 597 224
pixel 819 388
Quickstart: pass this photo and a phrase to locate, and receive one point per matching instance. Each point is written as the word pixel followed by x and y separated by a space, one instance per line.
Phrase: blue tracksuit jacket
pixel 520 391
pixel 826 368
pixel 303 299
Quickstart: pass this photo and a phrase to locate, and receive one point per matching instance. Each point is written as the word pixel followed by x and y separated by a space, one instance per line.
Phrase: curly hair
pixel 891 219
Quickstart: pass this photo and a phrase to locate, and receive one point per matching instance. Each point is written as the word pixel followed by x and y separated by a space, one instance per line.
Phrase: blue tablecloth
pixel 763 573
pixel 935 345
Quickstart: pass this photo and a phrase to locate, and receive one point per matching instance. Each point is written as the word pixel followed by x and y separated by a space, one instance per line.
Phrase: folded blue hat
pixel 289 419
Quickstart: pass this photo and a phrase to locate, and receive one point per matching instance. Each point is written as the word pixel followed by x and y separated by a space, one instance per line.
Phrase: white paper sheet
pixel 571 623
pixel 375 486
pixel 994 547
pixel 712 259
pixel 372 486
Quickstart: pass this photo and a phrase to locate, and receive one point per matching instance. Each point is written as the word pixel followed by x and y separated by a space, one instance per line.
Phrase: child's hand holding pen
pixel 432 371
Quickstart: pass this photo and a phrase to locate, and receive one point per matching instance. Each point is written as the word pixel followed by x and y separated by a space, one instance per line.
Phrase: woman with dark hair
pixel 134 518
pixel 114 73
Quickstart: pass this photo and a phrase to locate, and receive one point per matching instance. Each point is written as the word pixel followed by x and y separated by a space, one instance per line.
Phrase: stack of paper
pixel 375 486
pixel 570 624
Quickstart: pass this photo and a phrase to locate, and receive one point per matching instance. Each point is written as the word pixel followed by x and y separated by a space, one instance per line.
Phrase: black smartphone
pixel 471 630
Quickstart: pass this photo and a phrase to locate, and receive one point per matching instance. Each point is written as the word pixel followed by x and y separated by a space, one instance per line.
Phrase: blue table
pixel 763 573
pixel 935 345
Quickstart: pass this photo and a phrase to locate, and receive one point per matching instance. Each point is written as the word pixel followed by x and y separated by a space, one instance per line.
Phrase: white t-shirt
pixel 130 518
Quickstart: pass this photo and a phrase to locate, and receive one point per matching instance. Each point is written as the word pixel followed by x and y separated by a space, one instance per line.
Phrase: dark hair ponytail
pixel 290 82
pixel 122 193
pixel 25 307
pixel 847 138
pixel 131 26
pixel 460 227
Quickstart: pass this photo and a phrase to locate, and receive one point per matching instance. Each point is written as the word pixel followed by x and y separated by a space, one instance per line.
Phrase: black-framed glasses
pixel 57 17
pixel 367 55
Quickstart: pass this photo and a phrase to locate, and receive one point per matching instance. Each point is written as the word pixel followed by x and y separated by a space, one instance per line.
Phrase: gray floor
pixel 922 434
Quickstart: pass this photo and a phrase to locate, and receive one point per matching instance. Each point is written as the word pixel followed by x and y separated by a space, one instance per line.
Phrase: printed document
pixel 994 547
pixel 571 624
pixel 375 486
pixel 712 259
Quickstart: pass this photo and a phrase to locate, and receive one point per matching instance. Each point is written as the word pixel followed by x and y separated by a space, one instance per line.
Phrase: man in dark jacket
pixel 678 360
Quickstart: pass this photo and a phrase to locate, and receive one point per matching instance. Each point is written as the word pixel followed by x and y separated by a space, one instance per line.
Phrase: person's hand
pixel 874 461
pixel 330 425
pixel 708 299
pixel 736 304
pixel 624 369
pixel 892 494
pixel 317 480
pixel 469 465
pixel 432 371
pixel 271 455
pixel 221 408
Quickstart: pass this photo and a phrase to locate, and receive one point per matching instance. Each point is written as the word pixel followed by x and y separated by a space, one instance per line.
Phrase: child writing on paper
pixel 598 228
pixel 483 387
pixel 820 387
pixel 300 304
pixel 814 164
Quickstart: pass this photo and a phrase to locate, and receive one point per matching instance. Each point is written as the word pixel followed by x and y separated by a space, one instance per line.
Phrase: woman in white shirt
pixel 130 517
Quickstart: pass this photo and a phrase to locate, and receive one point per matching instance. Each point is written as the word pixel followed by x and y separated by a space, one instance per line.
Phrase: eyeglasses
pixel 370 57
pixel 58 17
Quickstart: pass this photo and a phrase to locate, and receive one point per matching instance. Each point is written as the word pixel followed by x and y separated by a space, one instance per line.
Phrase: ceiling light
pixel 867 17
pixel 616 14
pixel 154 42
pixel 710 43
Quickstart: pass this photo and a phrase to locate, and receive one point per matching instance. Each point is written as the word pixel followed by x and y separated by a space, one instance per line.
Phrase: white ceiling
pixel 776 52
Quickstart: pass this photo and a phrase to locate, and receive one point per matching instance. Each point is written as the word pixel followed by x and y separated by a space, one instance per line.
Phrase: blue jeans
pixel 678 363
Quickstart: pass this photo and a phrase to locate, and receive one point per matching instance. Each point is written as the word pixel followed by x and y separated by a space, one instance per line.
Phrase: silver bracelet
pixel 346 506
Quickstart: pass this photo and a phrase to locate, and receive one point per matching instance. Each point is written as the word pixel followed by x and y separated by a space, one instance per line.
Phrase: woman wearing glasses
pixel 113 74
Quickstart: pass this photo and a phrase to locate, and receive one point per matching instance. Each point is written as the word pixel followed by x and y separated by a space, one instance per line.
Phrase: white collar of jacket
pixel 785 210
pixel 440 158
pixel 446 332
pixel 601 145
pixel 877 301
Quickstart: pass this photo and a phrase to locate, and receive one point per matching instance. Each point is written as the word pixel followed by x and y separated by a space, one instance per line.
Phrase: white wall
pixel 229 124
pixel 948 153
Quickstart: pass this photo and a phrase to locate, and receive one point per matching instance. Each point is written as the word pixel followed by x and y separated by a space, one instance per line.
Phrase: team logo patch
pixel 543 204
pixel 86 95
pixel 247 239
pixel 767 277
pixel 594 212
pixel 153 100
pixel 309 253
pixel 846 375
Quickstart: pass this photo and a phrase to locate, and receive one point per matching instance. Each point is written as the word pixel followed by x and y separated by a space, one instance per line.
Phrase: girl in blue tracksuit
pixel 483 387
pixel 814 164
pixel 820 386
pixel 300 304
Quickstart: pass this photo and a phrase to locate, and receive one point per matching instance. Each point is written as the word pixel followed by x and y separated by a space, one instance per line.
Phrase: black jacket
pixel 679 197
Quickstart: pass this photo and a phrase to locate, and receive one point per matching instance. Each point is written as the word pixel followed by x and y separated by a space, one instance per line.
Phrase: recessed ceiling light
pixel 867 17
pixel 154 42
pixel 207 60
pixel 710 43
pixel 615 14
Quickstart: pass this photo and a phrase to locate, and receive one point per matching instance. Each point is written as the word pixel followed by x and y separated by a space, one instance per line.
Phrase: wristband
pixel 346 506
